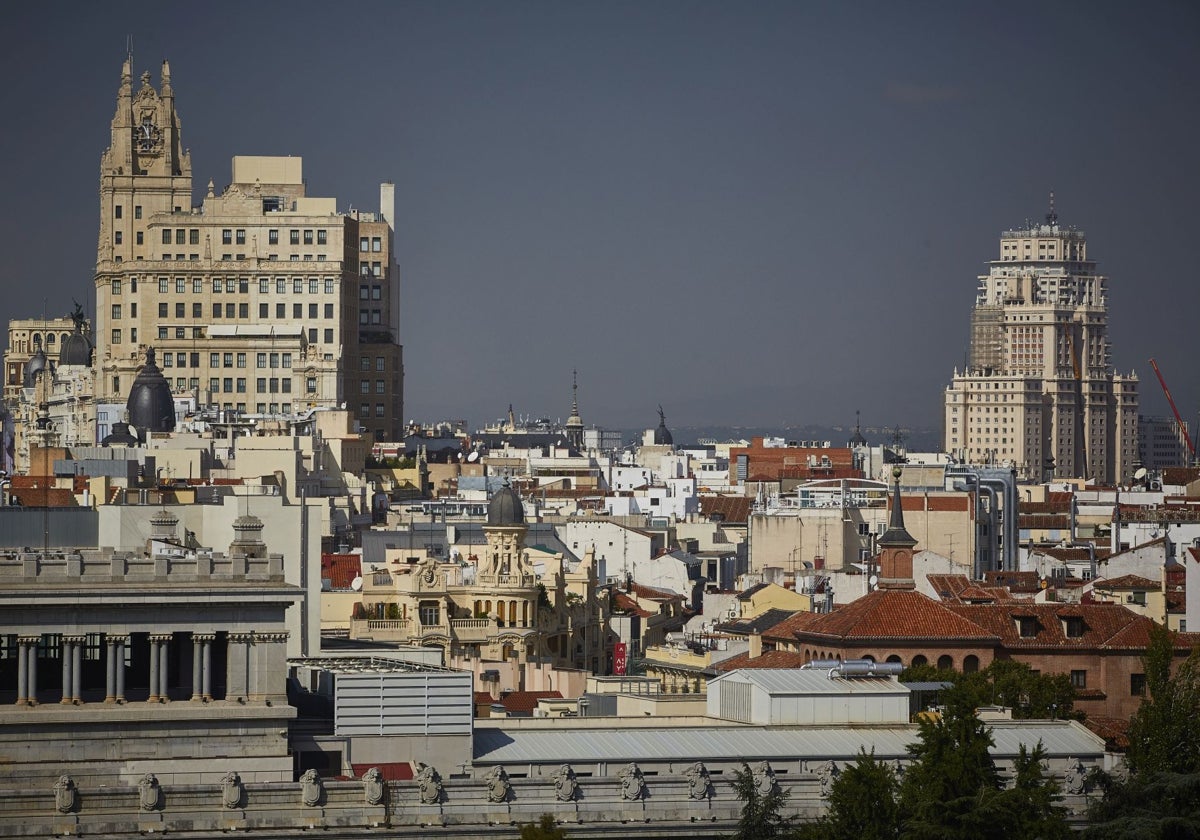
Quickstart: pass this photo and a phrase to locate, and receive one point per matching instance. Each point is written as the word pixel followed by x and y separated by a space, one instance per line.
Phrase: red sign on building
pixel 620 657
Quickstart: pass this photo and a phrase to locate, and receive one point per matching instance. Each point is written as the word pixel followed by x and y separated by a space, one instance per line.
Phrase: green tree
pixel 1032 802
pixel 862 804
pixel 761 811
pixel 1164 733
pixel 1007 683
pixel 544 829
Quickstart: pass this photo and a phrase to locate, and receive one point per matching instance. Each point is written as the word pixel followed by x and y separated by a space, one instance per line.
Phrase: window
pixel 362 316
pixel 364 387
pixel 364 410
pixel 162 332
pixel 329 314
pixel 214 385
pixel 280 286
pixel 195 360
pixel 379 363
pixel 429 613
pixel 116 287
pixel 312 335
pixel 162 309
pixel 140 241
pixel 243 310
pixel 376 244
pixel 166 236
pixel 162 285
pixel 329 336
pixel 194 236
pixel 116 312
pixel 240 236
pixel 272 237
pixel 297 310
pixel 227 360
pixel 264 310
pixel 229 310
pixel 264 285
pixel 377 269
pixel 197 285
pixel 180 310
pixel 168 360
pixel 274 385
pixel 274 360
pixel 364 244
pixel 374 316
pixel 1028 626
pixel 227 384
pixel 230 285
pixel 364 363
pixel 227 236
pixel 310 384
pixel 241 384
pixel 196 310
pixel 294 237
pixel 308 237
pixel 241 360
pixel 217 285
pixel 379 387
pixel 378 409
pixel 1074 626
pixel 375 293
pixel 285 385
pixel 1137 685
pixel 297 286
pixel 328 285
pixel 117 238
pixel 281 310
pixel 137 211
pixel 214 359
pixel 314 286
pixel 287 360
pixel 364 292
pixel 117 211
pixel 322 238
pixel 260 360
pixel 260 384
pixel 1079 679
pixel 116 336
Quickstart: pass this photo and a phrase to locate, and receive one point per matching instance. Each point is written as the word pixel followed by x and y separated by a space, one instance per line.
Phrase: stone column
pixel 77 669
pixel 206 676
pixel 164 649
pixel 197 664
pixel 236 662
pixel 110 669
pixel 22 672
pixel 153 698
pixel 34 643
pixel 121 642
pixel 64 656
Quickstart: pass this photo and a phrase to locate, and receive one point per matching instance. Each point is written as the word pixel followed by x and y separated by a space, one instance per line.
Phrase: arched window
pixel 37 340
pixel 869 658
pixel 919 660
pixel 945 663
pixel 971 664
pixel 894 658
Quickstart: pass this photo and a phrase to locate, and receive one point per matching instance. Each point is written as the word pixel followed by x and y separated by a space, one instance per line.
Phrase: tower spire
pixel 1052 216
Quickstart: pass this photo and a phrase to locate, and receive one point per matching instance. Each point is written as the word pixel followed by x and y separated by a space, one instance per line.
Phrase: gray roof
pixel 811 681
pixel 567 744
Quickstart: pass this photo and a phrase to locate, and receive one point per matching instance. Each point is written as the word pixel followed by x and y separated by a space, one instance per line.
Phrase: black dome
pixel 36 364
pixel 76 350
pixel 150 404
pixel 505 508
pixel 662 435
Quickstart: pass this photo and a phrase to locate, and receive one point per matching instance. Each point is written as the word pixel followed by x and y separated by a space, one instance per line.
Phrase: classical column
pixel 110 669
pixel 197 666
pixel 236 664
pixel 207 673
pixel 153 698
pixel 34 644
pixel 22 672
pixel 164 647
pixel 64 655
pixel 121 641
pixel 77 669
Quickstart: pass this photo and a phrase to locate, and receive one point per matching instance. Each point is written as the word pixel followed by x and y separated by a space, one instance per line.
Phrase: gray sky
pixel 759 213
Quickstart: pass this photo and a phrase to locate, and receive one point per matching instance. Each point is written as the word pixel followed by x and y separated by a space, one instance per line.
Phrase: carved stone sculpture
pixel 312 789
pixel 497 784
pixel 148 792
pixel 231 790
pixel 1075 776
pixel 764 778
pixel 429 785
pixel 698 781
pixel 66 796
pixel 373 788
pixel 632 785
pixel 565 786
pixel 827 773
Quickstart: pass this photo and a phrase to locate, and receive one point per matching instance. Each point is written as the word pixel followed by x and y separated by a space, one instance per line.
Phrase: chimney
pixel 755 645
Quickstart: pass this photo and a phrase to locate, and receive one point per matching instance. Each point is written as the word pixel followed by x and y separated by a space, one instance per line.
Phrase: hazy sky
pixel 751 213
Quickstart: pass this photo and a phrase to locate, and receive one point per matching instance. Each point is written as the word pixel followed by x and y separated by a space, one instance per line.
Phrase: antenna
pixel 129 47
pixel 1052 217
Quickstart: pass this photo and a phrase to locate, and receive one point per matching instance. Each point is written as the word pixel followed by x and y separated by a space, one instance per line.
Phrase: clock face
pixel 148 136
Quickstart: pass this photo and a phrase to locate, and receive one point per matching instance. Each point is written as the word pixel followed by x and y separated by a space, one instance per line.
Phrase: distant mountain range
pixel 915 440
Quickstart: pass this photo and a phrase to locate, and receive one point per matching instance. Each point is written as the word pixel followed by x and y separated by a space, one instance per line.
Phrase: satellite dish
pixel 473 457
pixel 1141 473
pixel 356 584
pixel 874 580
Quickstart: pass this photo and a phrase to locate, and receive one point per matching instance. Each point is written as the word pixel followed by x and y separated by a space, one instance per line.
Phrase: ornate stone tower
pixel 505 533
pixel 896 546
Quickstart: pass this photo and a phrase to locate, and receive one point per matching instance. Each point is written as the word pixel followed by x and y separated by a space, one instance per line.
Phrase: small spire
pixel 1052 216
pixel 574 393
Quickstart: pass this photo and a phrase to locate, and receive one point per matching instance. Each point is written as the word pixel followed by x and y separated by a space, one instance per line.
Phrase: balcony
pixel 507 581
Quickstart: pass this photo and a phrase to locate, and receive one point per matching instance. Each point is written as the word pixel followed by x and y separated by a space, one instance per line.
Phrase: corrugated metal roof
pixel 796 681
pixel 717 743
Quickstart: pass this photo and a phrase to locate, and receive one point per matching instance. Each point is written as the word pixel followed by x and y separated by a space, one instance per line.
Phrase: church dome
pixel 505 508
pixel 662 435
pixel 150 404
pixel 36 364
pixel 76 350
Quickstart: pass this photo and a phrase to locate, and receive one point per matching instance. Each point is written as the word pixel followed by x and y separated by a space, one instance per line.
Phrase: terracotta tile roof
pixel 1044 520
pixel 484 697
pixel 948 586
pixel 730 508
pixel 1014 581
pixel 1180 475
pixel 341 569
pixel 786 630
pixel 622 602
pixel 895 614
pixel 988 594
pixel 526 701
pixel 1127 582
pixel 653 593
pixel 1114 731
pixel 45 497
pixel 768 659
pixel 1105 626
pixel 913 502
pixel 1035 508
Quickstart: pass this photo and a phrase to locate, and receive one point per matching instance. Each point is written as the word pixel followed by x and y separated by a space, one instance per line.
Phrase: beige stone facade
pixel 1040 383
pixel 260 300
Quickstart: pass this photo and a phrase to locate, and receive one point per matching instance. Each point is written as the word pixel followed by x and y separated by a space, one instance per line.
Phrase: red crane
pixel 1178 419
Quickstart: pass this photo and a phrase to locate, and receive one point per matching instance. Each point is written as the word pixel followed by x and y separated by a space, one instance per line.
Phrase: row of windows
pixel 231 236
pixel 263 385
pixel 198 332
pixel 373 244
pixel 380 386
pixel 240 285
pixel 137 211
pixel 262 360
pixel 364 410
pixel 232 310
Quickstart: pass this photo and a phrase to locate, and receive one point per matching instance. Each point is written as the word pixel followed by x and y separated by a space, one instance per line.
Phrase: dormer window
pixel 1073 626
pixel 1027 625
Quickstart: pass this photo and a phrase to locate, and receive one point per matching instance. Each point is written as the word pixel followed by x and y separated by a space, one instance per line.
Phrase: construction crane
pixel 1178 420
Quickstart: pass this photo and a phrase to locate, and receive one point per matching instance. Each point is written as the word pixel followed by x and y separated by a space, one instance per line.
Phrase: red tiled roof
pixel 948 586
pixel 621 601
pixel 1127 582
pixel 730 508
pixel 341 569
pixel 653 593
pixel 768 659
pixel 526 701
pixel 895 614
pixel 1114 731
pixel 45 497
pixel 1105 626
pixel 786 630
pixel 392 771
pixel 1180 475
pixel 1014 581
pixel 484 697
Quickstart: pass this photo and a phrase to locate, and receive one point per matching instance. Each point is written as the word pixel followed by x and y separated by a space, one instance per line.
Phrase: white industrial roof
pixel 797 681
pixel 564 743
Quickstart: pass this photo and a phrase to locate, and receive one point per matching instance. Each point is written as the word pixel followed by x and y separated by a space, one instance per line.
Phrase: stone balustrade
pixel 106 566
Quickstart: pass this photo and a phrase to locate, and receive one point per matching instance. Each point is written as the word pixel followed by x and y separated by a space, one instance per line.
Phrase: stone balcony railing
pixel 74 567
pixel 395 629
pixel 507 581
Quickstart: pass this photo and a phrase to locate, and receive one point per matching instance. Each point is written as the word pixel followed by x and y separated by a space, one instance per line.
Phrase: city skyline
pixel 743 216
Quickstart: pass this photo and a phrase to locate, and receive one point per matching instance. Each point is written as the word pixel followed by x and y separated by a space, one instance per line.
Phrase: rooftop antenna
pixel 1052 217
pixel 129 47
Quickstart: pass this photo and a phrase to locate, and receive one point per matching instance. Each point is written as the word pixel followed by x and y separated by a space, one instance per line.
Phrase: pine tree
pixel 862 804
pixel 761 812
pixel 544 829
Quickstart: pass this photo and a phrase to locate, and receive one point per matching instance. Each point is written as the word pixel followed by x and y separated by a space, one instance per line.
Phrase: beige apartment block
pixel 262 299
pixel 1039 391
